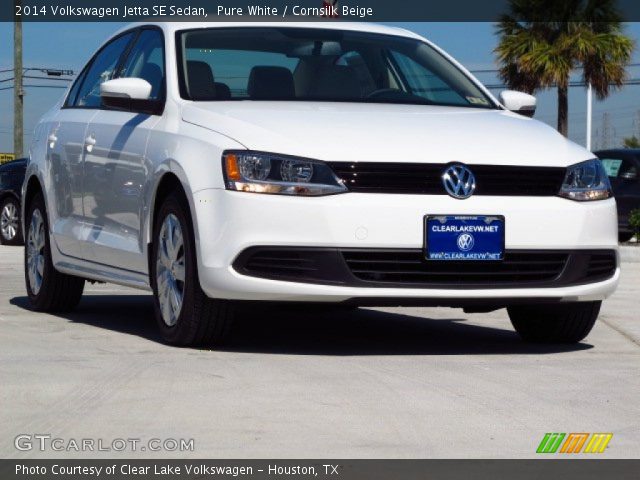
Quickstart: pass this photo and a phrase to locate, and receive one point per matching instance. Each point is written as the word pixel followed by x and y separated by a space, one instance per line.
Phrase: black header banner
pixel 574 469
pixel 282 10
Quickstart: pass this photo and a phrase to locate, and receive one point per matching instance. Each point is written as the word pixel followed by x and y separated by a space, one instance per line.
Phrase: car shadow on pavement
pixel 319 331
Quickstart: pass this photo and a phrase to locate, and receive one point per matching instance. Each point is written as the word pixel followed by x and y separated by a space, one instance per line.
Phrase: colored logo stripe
pixel 574 442
pixel 550 443
pixel 598 442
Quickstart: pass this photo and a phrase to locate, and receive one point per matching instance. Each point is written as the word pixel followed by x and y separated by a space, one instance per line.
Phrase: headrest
pixel 271 83
pixel 222 91
pixel 201 84
pixel 337 81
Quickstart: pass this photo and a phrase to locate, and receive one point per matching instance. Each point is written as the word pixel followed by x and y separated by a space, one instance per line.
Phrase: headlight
pixel 256 172
pixel 586 181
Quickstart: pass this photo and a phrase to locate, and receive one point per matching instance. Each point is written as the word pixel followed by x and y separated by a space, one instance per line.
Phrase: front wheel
pixel 185 315
pixel 557 323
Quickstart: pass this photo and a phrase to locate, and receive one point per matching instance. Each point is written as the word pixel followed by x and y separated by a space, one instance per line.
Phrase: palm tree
pixel 536 53
pixel 631 142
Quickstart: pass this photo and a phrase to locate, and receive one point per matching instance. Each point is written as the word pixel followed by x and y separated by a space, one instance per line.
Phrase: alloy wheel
pixel 9 221
pixel 170 269
pixel 35 251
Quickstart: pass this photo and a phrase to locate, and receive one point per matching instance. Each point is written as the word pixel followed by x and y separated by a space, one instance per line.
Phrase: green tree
pixel 535 53
pixel 634 222
pixel 631 142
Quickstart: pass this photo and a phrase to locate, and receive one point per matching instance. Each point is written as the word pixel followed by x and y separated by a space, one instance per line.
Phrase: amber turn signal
pixel 231 166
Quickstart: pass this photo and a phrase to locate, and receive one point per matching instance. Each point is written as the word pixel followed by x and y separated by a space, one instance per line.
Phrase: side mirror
pixel 518 102
pixel 133 88
pixel 129 94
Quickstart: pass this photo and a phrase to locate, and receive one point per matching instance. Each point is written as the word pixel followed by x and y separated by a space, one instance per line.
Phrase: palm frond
pixel 535 53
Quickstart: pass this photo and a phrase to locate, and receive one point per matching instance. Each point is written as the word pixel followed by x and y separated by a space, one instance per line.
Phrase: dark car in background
pixel 11 178
pixel 623 167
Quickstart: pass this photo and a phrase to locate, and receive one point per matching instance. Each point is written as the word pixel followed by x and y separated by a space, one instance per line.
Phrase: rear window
pixel 233 67
pixel 612 166
pixel 623 168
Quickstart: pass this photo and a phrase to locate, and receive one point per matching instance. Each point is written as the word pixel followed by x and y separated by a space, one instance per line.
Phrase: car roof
pixel 626 152
pixel 18 164
pixel 15 162
pixel 172 27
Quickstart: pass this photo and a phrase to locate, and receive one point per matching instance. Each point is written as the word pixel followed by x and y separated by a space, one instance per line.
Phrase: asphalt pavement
pixel 296 383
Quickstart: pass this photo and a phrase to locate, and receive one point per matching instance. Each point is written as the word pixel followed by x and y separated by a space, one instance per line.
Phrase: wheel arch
pixel 9 194
pixel 33 186
pixel 167 183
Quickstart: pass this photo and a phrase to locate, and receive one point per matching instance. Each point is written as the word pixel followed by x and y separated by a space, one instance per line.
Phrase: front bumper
pixel 228 223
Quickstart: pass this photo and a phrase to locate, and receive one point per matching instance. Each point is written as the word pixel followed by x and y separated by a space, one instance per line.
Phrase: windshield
pixel 289 64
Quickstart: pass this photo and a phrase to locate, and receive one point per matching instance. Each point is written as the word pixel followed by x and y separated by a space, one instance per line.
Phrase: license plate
pixel 457 237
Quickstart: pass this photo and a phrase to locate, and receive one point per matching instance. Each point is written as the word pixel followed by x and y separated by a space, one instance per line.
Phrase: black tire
pixel 58 292
pixel 201 320
pixel 625 236
pixel 7 237
pixel 558 323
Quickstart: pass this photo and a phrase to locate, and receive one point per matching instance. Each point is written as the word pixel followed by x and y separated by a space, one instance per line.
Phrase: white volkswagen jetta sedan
pixel 328 163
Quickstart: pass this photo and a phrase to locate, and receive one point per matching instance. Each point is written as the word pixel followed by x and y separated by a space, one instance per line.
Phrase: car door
pixel 67 143
pixel 115 170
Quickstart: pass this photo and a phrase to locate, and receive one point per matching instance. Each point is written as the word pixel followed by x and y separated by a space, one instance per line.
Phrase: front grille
pixel 284 263
pixel 408 268
pixel 425 178
pixel 601 265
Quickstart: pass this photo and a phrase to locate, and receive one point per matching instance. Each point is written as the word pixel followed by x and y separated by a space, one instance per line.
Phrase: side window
pixel 146 61
pixel 102 69
pixel 612 166
pixel 73 93
pixel 620 168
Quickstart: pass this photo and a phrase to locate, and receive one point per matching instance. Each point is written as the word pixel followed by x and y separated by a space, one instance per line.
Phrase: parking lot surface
pixel 296 383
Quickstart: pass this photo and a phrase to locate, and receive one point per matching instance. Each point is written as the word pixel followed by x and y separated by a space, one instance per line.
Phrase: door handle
pixel 89 142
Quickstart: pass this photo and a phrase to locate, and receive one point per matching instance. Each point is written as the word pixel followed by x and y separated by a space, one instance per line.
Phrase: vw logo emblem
pixel 458 181
pixel 465 242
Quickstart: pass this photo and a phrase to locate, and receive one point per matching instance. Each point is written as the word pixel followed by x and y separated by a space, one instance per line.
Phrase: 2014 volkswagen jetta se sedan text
pixel 327 163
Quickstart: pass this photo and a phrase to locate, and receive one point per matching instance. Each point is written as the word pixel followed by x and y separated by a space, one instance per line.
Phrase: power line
pixel 495 70
pixel 35 86
pixel 55 72
pixel 577 83
pixel 37 78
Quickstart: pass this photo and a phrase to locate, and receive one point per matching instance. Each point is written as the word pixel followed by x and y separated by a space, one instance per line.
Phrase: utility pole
pixel 18 91
pixel 607 137
pixel 589 113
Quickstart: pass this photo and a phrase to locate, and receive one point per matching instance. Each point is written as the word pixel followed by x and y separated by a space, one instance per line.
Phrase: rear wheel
pixel 48 289
pixel 558 323
pixel 10 233
pixel 185 315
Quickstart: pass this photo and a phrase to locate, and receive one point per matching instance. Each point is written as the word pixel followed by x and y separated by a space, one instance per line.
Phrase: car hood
pixel 387 133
